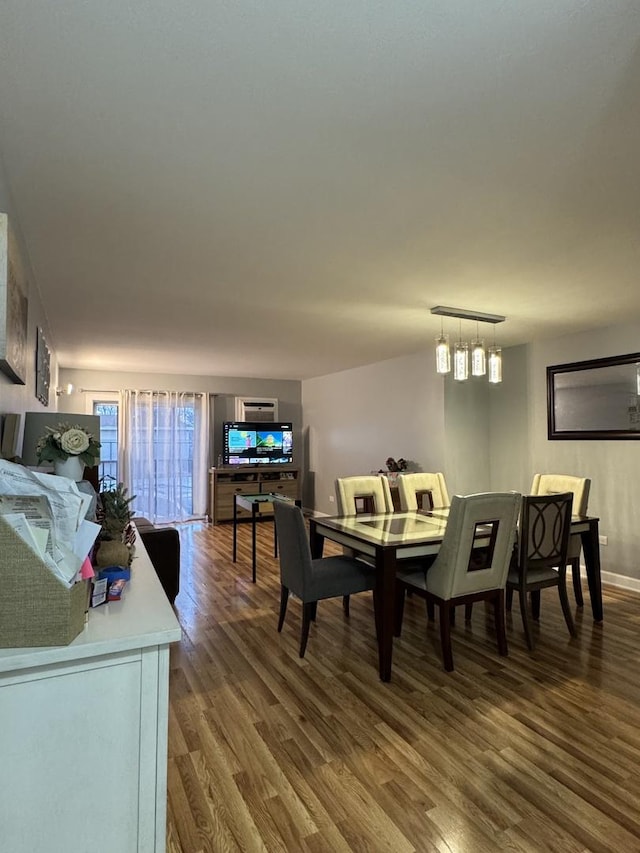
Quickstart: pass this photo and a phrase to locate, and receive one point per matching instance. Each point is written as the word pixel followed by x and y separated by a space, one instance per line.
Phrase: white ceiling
pixel 285 188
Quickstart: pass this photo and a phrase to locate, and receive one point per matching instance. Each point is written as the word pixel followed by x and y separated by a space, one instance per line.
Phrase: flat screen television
pixel 257 443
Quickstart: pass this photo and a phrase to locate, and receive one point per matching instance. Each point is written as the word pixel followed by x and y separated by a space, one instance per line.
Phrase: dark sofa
pixel 163 547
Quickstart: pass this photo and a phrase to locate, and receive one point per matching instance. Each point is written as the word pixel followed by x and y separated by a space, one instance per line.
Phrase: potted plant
pixel 116 537
pixel 69 448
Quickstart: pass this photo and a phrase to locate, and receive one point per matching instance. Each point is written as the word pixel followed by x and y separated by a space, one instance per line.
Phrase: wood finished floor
pixel 533 752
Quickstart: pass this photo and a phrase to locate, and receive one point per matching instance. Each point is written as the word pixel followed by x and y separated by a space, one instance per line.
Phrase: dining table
pixel 391 539
pixel 259 505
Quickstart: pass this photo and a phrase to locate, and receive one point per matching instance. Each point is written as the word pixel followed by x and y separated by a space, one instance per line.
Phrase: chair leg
pixel 284 600
pixel 398 609
pixel 376 614
pixel 526 623
pixel 345 605
pixel 431 610
pixel 314 610
pixel 445 634
pixel 535 604
pixel 566 608
pixel 307 616
pixel 509 598
pixel 499 619
pixel 468 612
pixel 577 582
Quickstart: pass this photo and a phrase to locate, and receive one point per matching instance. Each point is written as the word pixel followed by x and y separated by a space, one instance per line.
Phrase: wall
pixel 613 466
pixel 224 388
pixel 21 398
pixel 481 437
pixel 466 419
pixel 354 420
pixel 510 425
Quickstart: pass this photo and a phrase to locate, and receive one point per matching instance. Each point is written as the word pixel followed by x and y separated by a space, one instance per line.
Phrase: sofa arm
pixel 163 548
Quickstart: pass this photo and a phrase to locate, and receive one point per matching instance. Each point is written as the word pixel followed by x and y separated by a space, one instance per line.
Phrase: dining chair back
pixel 472 563
pixel 555 484
pixel 422 491
pixel 368 493
pixel 541 555
pixel 312 580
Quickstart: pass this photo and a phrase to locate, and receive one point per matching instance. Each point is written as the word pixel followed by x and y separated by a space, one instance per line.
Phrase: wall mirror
pixel 594 399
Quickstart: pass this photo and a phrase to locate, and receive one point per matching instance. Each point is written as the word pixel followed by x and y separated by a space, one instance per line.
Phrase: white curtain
pixel 163 441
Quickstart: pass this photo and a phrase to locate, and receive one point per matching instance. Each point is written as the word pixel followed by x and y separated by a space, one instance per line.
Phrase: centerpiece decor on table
pixel 394 467
pixel 69 448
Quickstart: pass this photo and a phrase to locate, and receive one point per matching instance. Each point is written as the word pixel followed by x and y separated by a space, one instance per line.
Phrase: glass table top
pixel 389 528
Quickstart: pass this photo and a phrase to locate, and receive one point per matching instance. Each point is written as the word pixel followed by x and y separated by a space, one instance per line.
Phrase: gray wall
pixel 466 432
pixel 223 388
pixel 354 420
pixel 480 436
pixel 18 399
pixel 613 466
pixel 510 426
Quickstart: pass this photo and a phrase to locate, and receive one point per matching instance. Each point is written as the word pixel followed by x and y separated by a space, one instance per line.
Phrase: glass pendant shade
pixel 478 358
pixel 443 355
pixel 461 361
pixel 495 365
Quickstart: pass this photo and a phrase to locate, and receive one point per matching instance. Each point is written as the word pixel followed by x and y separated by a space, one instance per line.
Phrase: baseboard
pixel 619 581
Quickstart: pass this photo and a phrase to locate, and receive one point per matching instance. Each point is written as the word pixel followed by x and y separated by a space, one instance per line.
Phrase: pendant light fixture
pixel 460 358
pixel 483 361
pixel 495 365
pixel 478 356
pixel 443 353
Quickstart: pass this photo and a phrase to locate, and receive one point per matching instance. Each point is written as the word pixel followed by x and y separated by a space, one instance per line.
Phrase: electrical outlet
pixel 603 540
pixel 331 499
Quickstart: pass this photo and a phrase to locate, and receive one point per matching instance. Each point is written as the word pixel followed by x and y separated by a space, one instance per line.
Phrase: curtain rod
pixel 111 391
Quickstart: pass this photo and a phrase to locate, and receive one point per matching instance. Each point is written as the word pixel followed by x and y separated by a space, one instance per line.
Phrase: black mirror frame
pixel 552 431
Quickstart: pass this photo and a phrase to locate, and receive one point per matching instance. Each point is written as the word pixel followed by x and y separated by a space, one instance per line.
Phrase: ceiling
pixel 285 188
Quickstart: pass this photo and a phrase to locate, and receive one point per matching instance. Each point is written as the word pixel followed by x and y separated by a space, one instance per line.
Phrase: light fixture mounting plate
pixel 465 314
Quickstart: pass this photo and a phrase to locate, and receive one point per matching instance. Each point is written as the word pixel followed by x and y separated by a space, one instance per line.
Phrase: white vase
pixel 73 468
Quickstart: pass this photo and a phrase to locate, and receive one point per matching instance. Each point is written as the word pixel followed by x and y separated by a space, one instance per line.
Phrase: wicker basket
pixel 36 609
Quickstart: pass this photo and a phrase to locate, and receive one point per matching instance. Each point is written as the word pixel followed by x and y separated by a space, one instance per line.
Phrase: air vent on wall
pixel 256 409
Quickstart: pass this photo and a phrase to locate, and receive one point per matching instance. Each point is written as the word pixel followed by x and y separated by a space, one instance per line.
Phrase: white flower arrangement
pixel 64 440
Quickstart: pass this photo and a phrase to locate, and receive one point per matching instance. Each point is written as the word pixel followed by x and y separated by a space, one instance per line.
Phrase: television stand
pixel 227 482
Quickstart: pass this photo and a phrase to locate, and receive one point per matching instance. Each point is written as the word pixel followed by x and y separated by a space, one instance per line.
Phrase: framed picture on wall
pixel 13 308
pixel 42 369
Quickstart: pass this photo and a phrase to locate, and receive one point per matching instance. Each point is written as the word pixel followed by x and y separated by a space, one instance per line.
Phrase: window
pixel 166 492
pixel 167 453
pixel 108 468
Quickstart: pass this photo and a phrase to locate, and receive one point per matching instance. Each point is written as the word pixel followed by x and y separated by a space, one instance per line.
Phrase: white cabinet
pixel 83 730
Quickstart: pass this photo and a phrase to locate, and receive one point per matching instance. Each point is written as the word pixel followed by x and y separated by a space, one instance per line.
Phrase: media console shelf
pixel 226 483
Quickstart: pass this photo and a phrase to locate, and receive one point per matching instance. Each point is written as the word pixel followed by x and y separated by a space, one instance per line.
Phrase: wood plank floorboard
pixel 537 751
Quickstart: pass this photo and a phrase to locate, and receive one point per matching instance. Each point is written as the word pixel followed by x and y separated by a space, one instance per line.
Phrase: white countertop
pixel 143 617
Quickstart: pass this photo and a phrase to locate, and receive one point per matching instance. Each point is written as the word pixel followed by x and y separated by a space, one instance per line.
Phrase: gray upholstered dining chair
pixel 308 579
pixel 554 484
pixel 413 489
pixel 472 563
pixel 367 493
pixel 540 560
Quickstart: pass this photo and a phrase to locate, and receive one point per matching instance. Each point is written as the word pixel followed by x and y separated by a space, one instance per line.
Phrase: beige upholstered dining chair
pixel 368 493
pixel 413 488
pixel 554 484
pixel 362 494
pixel 464 571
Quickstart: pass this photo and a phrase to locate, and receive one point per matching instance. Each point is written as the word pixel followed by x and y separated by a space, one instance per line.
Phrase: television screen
pixel 257 443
